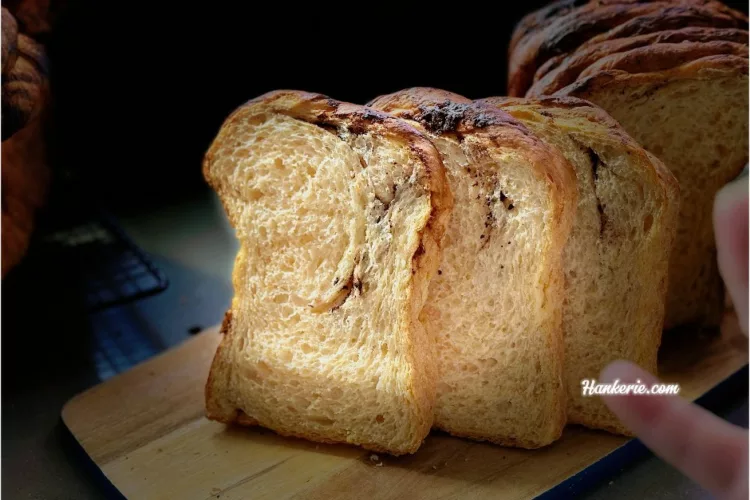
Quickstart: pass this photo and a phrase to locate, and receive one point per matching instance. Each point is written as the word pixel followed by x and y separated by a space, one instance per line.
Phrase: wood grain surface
pixel 145 429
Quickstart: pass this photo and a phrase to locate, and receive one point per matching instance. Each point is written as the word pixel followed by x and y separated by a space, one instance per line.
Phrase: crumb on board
pixel 374 457
pixel 379 464
pixel 434 467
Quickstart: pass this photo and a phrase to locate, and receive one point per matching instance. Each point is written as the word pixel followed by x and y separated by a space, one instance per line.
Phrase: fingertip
pixel 634 411
pixel 730 220
pixel 728 198
pixel 622 370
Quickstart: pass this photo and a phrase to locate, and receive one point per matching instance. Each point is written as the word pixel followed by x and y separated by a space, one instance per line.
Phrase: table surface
pixel 195 247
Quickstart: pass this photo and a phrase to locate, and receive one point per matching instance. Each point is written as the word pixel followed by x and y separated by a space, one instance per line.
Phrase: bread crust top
pixel 706 67
pixel 442 112
pixel 675 17
pixel 564 69
pixel 563 34
pixel 595 21
pixel 541 18
pixel 598 117
pixel 662 56
pixel 321 110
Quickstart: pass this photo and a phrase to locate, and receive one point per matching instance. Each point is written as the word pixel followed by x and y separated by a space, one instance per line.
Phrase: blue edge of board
pixel 572 487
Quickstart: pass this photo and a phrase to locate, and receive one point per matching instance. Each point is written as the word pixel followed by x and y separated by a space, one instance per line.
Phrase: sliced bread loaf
pixel 495 306
pixel 617 257
pixel 694 118
pixel 339 210
pixel 565 69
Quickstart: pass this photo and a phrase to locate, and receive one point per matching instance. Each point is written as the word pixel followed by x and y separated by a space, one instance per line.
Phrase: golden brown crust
pixel 541 18
pixel 563 35
pixel 593 113
pixel 323 111
pixel 563 70
pixel 213 410
pixel 672 18
pixel 442 112
pixel 663 56
pixel 703 67
pixel 510 441
pixel 574 105
pixel 597 22
pixel 247 421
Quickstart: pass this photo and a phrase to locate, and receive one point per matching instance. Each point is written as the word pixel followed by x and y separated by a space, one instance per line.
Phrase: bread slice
pixel 694 118
pixel 339 210
pixel 593 21
pixel 565 69
pixel 617 257
pixel 495 306
pixel 663 56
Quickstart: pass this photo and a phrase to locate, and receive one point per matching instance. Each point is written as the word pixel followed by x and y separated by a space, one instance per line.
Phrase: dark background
pixel 142 87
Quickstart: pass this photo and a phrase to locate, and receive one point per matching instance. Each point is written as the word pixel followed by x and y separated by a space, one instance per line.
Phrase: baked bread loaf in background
pixel 564 29
pixel 694 118
pixel 37 18
pixel 25 176
pixel 495 307
pixel 675 78
pixel 663 56
pixel 678 16
pixel 339 210
pixel 617 256
pixel 25 85
pixel 554 75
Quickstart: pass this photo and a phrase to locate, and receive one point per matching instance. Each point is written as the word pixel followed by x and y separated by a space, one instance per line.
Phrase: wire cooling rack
pixel 107 267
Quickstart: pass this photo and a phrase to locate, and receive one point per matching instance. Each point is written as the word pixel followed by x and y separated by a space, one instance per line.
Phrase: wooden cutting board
pixel 146 431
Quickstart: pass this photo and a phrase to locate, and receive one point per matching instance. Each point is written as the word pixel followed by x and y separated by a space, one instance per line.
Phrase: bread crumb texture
pixel 335 256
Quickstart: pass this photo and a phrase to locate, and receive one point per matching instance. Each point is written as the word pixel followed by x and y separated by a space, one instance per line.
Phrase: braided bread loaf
pixel 25 176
